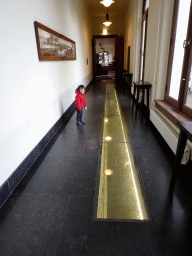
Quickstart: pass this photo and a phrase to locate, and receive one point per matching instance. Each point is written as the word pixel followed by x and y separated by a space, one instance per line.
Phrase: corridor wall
pixel 34 94
pixel 132 36
pixel 157 41
pixel 160 15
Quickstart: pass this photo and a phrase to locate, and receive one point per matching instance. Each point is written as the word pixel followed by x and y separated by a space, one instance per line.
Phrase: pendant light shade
pixel 107 22
pixel 107 3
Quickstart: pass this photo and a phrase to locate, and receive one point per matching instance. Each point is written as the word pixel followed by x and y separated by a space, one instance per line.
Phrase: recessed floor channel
pixel 120 192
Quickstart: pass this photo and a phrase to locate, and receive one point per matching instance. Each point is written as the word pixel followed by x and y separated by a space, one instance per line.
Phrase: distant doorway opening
pixel 107 57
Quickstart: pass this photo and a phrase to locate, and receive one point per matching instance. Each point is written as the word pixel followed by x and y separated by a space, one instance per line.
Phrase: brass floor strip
pixel 120 193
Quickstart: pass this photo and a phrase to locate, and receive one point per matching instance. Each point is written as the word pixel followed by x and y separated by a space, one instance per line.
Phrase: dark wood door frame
pixel 94 49
pixel 128 59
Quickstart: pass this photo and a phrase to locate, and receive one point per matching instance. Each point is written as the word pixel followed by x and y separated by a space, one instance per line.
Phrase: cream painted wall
pixel 35 94
pixel 132 36
pixel 116 28
pixel 157 47
pixel 157 44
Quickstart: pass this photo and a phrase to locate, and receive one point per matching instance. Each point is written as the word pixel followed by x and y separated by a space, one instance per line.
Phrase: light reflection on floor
pixel 120 193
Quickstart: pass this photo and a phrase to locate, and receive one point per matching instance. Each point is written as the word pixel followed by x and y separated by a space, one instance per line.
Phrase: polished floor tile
pixel 51 212
pixel 82 236
pixel 47 178
pixel 170 231
pixel 79 177
pixel 31 224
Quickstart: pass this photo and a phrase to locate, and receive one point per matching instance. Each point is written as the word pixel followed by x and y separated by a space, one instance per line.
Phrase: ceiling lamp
pixel 107 22
pixel 107 3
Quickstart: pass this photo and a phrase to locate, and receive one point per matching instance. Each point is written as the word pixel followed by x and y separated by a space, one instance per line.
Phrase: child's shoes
pixel 79 123
pixel 83 122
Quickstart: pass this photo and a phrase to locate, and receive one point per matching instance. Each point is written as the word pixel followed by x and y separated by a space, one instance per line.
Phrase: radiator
pixel 168 136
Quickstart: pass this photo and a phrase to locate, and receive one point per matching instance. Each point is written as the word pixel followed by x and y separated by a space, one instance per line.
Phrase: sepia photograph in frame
pixel 52 45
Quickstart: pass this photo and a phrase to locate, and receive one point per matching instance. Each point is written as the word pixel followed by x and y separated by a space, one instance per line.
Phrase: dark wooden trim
pixel 145 43
pixel 172 101
pixel 143 9
pixel 145 15
pixel 145 18
pixel 94 50
pixel 94 57
pixel 188 71
pixel 171 54
pixel 173 114
pixel 118 67
pixel 128 59
pixel 140 50
pixel 185 74
pixel 119 58
pixel 186 65
pixel 105 36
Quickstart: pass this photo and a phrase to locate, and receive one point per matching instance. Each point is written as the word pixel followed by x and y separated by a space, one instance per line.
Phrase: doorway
pixel 128 59
pixel 107 57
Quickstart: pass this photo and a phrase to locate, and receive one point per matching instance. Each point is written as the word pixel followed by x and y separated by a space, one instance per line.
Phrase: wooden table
pixel 140 85
pixel 128 79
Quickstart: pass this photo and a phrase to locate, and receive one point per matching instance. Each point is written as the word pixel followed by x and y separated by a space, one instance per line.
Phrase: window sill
pixel 171 112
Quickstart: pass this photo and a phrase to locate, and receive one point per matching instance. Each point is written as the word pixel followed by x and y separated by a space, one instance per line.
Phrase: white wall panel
pixel 34 94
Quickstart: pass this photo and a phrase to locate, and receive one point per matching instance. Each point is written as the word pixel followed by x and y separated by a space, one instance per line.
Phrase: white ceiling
pixel 97 9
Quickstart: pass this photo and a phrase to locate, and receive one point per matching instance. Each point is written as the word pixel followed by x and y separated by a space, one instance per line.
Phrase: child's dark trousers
pixel 79 115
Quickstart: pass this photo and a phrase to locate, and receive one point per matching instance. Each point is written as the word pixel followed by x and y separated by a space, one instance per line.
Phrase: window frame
pixel 144 18
pixel 185 74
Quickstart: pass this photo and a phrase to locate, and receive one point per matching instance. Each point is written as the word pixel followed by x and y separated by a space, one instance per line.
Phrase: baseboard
pixel 11 183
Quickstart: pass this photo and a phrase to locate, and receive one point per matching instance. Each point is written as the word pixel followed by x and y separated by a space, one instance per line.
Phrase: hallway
pixel 51 211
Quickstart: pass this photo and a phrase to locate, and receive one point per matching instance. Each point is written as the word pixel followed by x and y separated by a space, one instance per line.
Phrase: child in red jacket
pixel 80 103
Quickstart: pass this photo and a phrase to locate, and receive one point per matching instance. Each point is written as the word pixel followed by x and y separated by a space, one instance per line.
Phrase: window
pixel 103 58
pixel 143 39
pixel 179 76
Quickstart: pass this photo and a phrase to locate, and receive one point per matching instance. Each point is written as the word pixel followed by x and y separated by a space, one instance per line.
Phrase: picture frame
pixel 52 45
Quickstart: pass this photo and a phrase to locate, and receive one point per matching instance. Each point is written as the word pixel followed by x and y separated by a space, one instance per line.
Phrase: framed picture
pixel 52 45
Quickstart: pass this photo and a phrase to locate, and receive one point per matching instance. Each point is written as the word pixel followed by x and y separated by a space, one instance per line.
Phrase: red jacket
pixel 80 100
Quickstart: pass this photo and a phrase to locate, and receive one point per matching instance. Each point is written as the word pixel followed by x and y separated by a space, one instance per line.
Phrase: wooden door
pixel 119 56
pixel 128 60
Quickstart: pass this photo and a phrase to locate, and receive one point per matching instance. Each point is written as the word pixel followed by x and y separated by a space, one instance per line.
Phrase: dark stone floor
pixel 51 211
